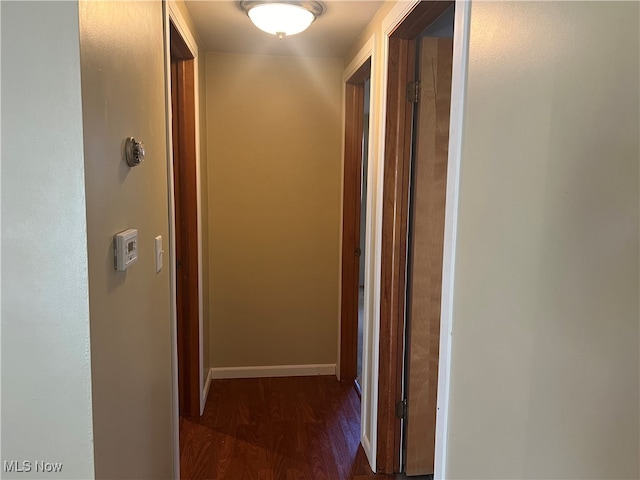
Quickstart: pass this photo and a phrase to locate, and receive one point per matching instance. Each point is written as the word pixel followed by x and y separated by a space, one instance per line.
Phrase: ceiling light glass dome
pixel 282 18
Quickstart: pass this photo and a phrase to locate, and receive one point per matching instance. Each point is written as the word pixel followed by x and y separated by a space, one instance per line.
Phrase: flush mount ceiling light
pixel 281 18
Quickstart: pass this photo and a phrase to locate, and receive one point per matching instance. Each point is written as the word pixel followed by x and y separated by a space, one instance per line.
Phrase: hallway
pixel 289 428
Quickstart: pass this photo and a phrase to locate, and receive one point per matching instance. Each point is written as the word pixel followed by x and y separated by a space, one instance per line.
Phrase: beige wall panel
pixel 374 27
pixel 545 379
pixel 274 168
pixel 123 95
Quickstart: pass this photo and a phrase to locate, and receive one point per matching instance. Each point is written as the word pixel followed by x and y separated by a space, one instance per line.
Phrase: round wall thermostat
pixel 134 152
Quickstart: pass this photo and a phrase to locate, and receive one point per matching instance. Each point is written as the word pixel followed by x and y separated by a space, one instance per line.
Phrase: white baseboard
pixel 273 371
pixel 205 391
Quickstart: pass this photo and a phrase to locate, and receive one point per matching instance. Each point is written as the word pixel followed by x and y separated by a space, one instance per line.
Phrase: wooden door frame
pixel 351 211
pixel 172 14
pixel 395 209
pixel 182 88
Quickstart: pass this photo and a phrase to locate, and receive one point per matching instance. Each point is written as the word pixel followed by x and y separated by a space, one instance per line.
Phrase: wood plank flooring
pixel 293 428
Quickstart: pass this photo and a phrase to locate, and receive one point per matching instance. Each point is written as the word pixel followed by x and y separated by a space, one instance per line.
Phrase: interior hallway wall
pixel 274 150
pixel 545 354
pixel 46 365
pixel 123 94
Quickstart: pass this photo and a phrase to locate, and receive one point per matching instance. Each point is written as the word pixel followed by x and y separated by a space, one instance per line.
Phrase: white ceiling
pixel 223 27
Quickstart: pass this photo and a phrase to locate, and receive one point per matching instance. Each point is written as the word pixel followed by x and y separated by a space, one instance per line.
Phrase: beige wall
pixel 545 380
pixel 274 166
pixel 374 27
pixel 46 367
pixel 123 95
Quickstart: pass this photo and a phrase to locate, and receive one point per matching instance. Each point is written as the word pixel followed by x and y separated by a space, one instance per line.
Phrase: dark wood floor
pixel 294 428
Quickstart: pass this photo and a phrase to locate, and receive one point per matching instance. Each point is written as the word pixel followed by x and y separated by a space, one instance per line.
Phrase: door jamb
pixel 185 198
pixel 400 27
pixel 351 211
pixel 461 33
pixel 171 13
pixel 181 25
pixel 369 385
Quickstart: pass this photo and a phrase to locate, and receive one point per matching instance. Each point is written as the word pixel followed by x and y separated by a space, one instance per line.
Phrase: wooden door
pixel 424 276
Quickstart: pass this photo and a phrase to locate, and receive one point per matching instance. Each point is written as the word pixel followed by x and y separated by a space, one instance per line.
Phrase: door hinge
pixel 401 409
pixel 413 92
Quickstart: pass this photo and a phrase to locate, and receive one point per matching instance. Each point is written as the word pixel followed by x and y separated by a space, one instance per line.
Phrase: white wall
pixel 545 364
pixel 46 371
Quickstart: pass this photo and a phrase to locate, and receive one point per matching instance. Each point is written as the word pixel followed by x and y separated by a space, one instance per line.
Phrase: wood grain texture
pixel 397 161
pixel 397 166
pixel 183 124
pixel 426 247
pixel 287 428
pixel 354 117
pixel 351 210
pixel 424 13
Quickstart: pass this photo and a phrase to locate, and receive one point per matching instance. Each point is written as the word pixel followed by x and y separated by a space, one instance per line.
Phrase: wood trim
pixel 362 74
pixel 420 18
pixel 186 225
pixel 397 161
pixel 351 210
pixel 395 209
pixel 179 48
pixel 351 230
